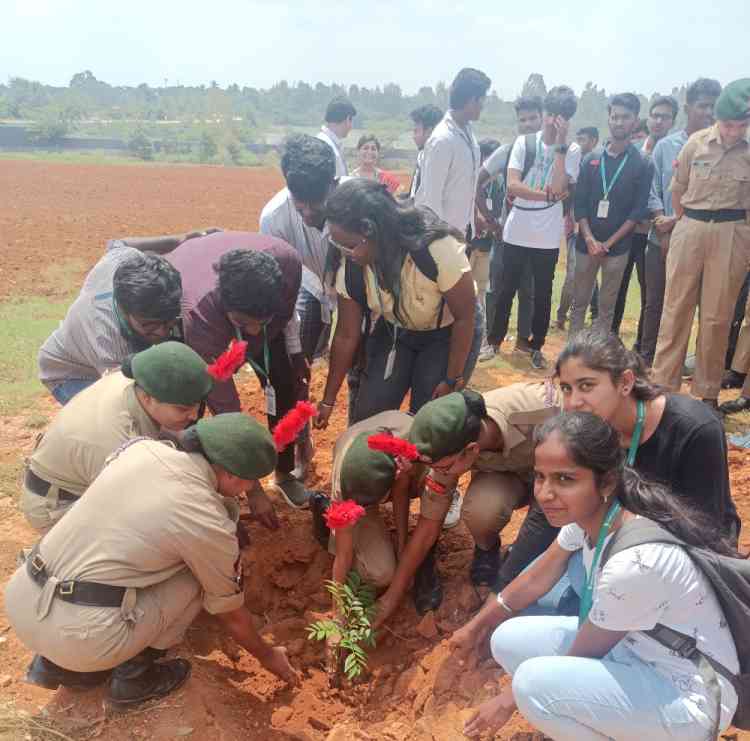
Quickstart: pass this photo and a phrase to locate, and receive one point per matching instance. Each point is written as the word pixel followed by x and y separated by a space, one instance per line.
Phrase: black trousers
pixel 638 259
pixel 515 259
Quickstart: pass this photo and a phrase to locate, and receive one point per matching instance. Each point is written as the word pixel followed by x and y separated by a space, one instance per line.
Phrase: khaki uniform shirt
pixel 152 512
pixel 517 409
pixel 89 428
pixel 710 177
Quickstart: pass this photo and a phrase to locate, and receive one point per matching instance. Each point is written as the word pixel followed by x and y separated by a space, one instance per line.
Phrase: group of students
pixel 163 323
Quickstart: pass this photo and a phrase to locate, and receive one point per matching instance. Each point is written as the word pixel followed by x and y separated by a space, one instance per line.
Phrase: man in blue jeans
pixel 129 301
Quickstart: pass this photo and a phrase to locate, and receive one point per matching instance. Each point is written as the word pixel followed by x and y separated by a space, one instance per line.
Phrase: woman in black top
pixel 682 443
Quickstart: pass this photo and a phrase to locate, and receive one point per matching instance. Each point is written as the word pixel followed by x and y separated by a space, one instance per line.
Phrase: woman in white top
pixel 598 676
pixel 410 270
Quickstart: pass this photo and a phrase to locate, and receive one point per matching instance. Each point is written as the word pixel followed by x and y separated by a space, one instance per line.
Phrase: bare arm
pixel 167 243
pixel 479 198
pixel 593 245
pixel 461 300
pixel 400 497
pixel 592 642
pixel 342 562
pixel 518 189
pixel 621 233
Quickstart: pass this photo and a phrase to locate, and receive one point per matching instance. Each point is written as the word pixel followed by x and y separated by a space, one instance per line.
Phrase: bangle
pixel 327 404
pixel 504 605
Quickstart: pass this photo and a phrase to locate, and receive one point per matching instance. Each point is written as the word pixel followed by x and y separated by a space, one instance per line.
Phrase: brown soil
pixel 414 690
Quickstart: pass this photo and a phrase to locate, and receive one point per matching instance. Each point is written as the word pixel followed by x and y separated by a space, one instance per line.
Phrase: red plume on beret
pixel 394 446
pixel 291 424
pixel 229 362
pixel 342 514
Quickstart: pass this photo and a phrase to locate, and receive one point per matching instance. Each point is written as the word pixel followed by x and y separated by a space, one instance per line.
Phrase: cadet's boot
pixel 428 588
pixel 485 566
pixel 141 679
pixel 319 504
pixel 740 404
pixel 44 673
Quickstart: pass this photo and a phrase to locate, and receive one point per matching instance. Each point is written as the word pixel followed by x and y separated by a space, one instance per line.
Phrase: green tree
pixel 207 148
pixel 140 145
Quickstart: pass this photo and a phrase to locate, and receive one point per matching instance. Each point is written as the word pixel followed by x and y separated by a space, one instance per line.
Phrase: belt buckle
pixel 65 588
pixel 37 564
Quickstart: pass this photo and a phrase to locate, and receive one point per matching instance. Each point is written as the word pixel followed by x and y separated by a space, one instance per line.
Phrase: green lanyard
pixel 540 160
pixel 607 188
pixel 604 530
pixel 391 358
pixel 263 370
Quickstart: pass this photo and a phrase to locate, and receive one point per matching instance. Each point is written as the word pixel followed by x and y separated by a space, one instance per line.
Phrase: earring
pixel 606 498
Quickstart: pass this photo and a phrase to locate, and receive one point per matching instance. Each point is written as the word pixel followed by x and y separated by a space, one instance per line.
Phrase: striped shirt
pixel 88 342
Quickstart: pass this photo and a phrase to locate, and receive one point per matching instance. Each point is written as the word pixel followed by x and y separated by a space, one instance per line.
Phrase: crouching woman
pixel 599 676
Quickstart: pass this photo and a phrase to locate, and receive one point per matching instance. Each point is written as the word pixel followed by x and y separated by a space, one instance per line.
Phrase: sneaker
pixel 538 361
pixel 139 680
pixel 485 566
pixel 292 490
pixel 740 404
pixel 688 367
pixel 523 345
pixel 319 503
pixel 488 353
pixel 428 587
pixel 44 673
pixel 454 511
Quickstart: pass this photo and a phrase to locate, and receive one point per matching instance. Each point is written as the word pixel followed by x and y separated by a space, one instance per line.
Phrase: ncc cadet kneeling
pixel 159 388
pixel 118 580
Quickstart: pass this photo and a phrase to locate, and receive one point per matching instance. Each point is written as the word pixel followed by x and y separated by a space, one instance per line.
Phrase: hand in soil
pixel 277 662
pixel 262 509
pixel 465 641
pixel 490 716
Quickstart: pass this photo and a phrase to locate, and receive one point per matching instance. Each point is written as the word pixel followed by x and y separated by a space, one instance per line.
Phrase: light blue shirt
pixel 664 154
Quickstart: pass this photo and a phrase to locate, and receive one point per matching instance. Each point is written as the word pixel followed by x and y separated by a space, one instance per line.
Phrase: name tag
pixel 602 210
pixel 270 400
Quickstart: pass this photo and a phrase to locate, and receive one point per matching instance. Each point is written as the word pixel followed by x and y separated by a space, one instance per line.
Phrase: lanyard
pixel 604 530
pixel 539 170
pixel 607 188
pixel 265 368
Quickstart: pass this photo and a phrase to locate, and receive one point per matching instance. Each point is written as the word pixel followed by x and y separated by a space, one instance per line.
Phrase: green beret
pixel 366 475
pixel 734 102
pixel 238 443
pixel 171 372
pixel 438 427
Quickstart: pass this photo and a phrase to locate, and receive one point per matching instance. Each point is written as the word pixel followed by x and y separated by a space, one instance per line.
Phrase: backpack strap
pixel 529 154
pixel 426 265
pixel 354 280
pixel 641 531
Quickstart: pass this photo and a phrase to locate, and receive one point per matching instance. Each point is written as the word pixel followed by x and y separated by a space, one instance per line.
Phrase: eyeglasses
pixel 342 247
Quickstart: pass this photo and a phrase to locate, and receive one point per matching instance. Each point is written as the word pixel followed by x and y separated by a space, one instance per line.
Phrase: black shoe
pixel 44 673
pixel 140 679
pixel 484 566
pixel 740 404
pixel 733 380
pixel 319 504
pixel 428 588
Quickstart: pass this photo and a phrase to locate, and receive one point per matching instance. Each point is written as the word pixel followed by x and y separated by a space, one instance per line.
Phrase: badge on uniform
pixel 270 400
pixel 602 210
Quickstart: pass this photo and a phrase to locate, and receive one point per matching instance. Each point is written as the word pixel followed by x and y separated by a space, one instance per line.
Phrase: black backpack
pixel 730 579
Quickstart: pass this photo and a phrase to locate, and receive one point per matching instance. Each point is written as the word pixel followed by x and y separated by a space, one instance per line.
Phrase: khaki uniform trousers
pixel 489 503
pixel 741 359
pixel 42 512
pixel 480 271
pixel 706 266
pixel 86 639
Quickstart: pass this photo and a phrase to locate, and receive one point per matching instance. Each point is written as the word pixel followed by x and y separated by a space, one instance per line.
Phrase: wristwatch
pixel 562 148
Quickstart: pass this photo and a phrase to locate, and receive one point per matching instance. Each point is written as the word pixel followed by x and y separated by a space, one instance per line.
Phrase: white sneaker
pixel 488 352
pixel 454 512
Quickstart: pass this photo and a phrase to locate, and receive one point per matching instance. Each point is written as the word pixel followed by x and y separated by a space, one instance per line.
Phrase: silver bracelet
pixel 504 605
pixel 326 404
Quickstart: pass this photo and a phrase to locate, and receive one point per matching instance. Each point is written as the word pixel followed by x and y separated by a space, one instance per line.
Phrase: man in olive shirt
pixel 709 250
pixel 161 387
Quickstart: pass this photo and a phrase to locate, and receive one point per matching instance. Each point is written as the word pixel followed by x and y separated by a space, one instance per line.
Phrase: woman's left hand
pixel 490 716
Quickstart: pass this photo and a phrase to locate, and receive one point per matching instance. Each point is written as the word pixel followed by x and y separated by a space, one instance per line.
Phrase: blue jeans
pixel 575 699
pixel 564 594
pixel 66 390
pixel 421 364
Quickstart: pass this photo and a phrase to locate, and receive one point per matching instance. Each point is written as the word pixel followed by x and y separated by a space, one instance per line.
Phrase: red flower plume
pixel 342 514
pixel 229 362
pixel 394 446
pixel 291 424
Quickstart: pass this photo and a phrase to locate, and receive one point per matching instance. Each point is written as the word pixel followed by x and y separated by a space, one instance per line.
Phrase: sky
pixel 641 47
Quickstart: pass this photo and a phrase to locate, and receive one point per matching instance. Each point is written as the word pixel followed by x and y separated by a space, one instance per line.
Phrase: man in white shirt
pixel 425 119
pixel 338 123
pixel 451 155
pixel 534 226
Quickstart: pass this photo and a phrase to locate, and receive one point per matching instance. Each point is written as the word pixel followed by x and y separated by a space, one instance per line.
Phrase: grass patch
pixel 24 325
pixel 10 478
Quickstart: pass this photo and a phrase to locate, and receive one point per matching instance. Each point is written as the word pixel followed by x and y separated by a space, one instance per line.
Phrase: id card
pixel 489 204
pixel 602 210
pixel 389 363
pixel 325 311
pixel 270 400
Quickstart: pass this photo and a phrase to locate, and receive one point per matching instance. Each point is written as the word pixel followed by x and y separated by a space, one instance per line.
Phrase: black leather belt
pixel 723 214
pixel 40 487
pixel 78 592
